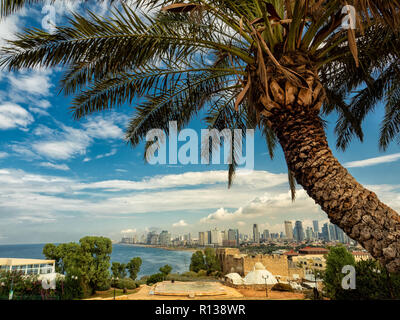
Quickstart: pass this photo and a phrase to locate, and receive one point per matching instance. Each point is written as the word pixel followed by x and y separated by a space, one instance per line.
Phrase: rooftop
pixel 22 262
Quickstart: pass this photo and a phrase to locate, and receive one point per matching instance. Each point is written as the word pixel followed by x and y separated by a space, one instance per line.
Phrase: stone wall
pixel 233 261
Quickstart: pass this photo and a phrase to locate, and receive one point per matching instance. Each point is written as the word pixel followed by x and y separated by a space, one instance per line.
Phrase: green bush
pixel 215 274
pixel 71 289
pixel 282 287
pixel 126 283
pixel 154 278
pixel 104 286
pixel 190 274
pixel 202 273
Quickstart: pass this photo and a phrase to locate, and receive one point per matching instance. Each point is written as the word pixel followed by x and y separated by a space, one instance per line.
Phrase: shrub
pixel 71 289
pixel 190 274
pixel 215 274
pixel 202 273
pixel 282 287
pixel 154 278
pixel 103 286
pixel 126 283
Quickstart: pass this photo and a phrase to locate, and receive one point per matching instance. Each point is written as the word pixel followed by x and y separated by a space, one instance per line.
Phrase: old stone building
pixel 233 261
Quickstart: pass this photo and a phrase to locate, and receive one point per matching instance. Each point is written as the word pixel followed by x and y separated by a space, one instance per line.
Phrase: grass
pixel 110 293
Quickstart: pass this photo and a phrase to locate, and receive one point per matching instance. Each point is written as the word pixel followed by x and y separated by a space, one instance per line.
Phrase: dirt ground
pixel 272 295
pixel 232 294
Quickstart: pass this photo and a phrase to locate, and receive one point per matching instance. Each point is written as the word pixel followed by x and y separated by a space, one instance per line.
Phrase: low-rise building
pixel 45 269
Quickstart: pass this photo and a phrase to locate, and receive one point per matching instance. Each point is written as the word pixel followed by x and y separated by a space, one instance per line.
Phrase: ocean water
pixel 153 258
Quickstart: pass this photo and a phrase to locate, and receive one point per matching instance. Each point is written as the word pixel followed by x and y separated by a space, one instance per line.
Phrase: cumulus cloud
pixel 274 205
pixel 180 223
pixel 14 116
pixel 373 161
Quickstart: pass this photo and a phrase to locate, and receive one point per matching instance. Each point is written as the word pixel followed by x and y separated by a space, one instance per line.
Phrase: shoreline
pixel 159 247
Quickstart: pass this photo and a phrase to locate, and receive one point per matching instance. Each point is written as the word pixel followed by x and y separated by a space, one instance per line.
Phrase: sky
pixel 62 179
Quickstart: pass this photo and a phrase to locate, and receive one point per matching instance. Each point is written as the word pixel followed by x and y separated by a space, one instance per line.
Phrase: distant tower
pixel 316 226
pixel 299 232
pixel 256 234
pixel 289 230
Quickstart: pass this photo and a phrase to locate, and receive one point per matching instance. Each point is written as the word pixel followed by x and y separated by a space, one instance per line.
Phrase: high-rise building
pixel 266 234
pixel 289 230
pixel 332 232
pixel 298 231
pixel 203 238
pixel 316 227
pixel 233 234
pixel 209 237
pixel 325 232
pixel 216 237
pixel 339 234
pixel 309 233
pixel 256 233
pixel 165 238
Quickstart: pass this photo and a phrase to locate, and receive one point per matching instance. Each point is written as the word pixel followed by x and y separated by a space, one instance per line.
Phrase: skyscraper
pixel 266 234
pixel 256 233
pixel 339 234
pixel 325 232
pixel 332 232
pixel 216 237
pixel 165 238
pixel 233 234
pixel 203 238
pixel 309 233
pixel 289 230
pixel 316 227
pixel 298 231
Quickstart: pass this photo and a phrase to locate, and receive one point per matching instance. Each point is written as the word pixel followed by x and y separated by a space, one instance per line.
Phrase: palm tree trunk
pixel 293 113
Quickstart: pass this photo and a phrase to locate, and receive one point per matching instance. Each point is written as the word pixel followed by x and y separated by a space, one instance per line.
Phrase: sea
pixel 152 258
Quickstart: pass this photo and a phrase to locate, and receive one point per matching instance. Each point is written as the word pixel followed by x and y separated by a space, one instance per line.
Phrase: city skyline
pixel 329 232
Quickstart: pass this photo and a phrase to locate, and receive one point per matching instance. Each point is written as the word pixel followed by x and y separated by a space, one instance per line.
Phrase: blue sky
pixel 61 179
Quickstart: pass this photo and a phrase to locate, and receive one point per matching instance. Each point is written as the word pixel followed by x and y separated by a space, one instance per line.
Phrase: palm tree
pixel 276 65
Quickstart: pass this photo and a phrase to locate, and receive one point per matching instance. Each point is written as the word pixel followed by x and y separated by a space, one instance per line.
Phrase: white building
pixel 44 268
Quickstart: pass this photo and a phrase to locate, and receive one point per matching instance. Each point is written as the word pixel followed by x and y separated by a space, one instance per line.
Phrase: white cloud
pixel 3 155
pixel 63 167
pixel 64 145
pixel 128 231
pixel 108 154
pixel 101 128
pixel 180 223
pixel 36 82
pixel 46 197
pixel 373 161
pixel 271 204
pixel 67 142
pixel 8 29
pixel 252 180
pixel 14 116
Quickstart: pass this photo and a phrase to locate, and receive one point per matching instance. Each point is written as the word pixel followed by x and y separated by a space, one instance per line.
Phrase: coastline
pixel 159 247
